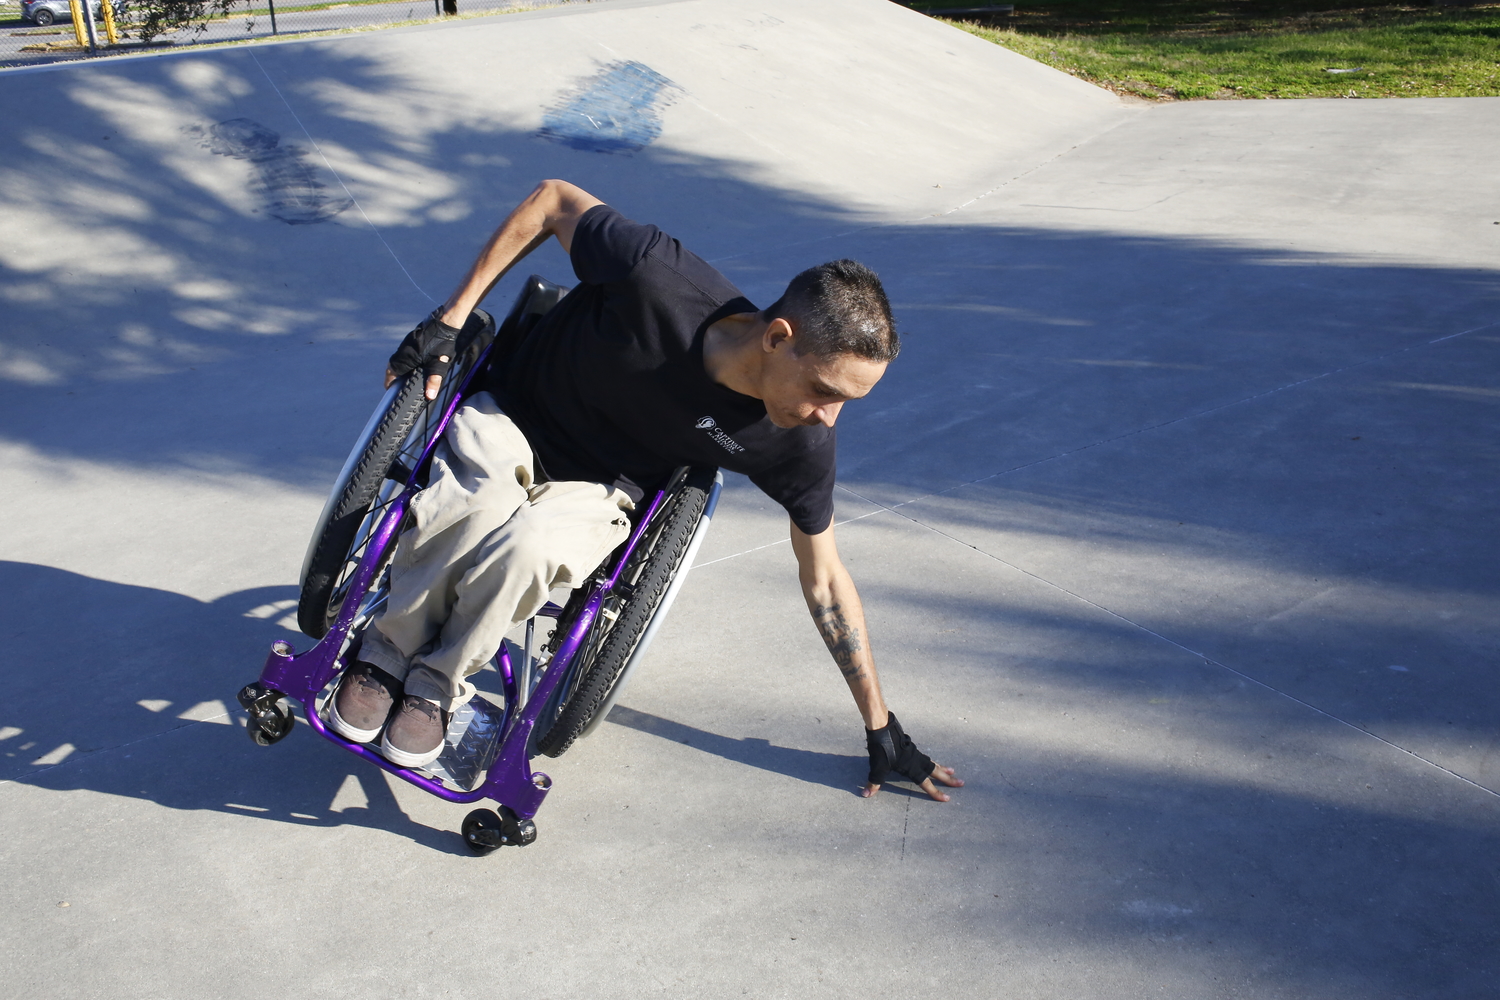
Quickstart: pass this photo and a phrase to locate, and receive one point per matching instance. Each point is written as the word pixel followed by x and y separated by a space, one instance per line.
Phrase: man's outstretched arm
pixel 552 209
pixel 840 618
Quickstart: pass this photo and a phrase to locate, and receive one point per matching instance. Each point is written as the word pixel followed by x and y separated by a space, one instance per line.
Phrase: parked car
pixel 45 12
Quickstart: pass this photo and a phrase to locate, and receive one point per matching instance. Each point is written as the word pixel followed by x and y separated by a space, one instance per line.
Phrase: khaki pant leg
pixel 486 548
pixel 556 539
pixel 480 476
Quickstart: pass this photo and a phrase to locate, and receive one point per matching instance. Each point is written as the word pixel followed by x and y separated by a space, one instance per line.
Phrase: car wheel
pixel 43 16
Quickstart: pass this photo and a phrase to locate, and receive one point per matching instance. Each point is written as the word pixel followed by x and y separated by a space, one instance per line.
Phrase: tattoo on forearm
pixel 841 638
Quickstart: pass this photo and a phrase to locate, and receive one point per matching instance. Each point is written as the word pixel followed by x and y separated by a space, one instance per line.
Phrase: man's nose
pixel 826 414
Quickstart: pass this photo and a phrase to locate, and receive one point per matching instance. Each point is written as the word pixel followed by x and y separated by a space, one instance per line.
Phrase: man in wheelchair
pixel 652 362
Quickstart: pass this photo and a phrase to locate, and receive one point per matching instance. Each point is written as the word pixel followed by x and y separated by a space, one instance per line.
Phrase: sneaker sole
pixel 402 758
pixel 351 733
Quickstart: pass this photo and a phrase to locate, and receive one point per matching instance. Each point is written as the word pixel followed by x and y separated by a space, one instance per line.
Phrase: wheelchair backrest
pixel 536 298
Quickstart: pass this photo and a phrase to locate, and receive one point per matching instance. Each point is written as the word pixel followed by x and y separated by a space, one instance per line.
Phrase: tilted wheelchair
pixel 560 685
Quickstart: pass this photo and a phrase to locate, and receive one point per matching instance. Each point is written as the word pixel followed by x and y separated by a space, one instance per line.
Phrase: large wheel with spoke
pixel 381 463
pixel 625 615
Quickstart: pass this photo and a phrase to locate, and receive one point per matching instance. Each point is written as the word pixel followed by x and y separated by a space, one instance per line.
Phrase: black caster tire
pixel 271 726
pixel 271 719
pixel 483 832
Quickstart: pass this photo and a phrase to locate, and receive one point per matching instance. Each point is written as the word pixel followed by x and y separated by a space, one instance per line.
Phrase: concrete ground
pixel 1174 524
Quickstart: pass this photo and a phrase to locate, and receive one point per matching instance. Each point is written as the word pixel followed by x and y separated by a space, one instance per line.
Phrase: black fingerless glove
pixel 430 347
pixel 892 750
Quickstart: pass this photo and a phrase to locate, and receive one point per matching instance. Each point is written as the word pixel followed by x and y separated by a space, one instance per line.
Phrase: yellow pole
pixel 109 22
pixel 77 9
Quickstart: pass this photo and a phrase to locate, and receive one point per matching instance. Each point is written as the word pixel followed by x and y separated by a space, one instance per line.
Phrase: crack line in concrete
pixel 1184 417
pixel 336 176
pixel 784 541
pixel 905 821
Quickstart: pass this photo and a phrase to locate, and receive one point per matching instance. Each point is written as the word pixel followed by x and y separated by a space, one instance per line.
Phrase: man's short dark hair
pixel 839 308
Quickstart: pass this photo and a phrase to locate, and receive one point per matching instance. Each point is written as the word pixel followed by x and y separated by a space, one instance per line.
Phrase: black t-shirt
pixel 610 386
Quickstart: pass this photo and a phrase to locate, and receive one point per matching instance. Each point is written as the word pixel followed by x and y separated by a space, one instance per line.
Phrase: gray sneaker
pixel 363 702
pixel 414 737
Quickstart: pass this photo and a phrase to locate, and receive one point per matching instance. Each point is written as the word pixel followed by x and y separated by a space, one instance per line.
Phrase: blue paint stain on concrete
pixel 285 180
pixel 617 110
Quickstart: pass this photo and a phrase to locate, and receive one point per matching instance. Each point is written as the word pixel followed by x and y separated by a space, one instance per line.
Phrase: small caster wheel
pixel 483 832
pixel 518 831
pixel 270 725
pixel 270 720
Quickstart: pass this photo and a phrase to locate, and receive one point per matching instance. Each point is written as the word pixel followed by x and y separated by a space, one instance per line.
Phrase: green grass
pixel 1197 49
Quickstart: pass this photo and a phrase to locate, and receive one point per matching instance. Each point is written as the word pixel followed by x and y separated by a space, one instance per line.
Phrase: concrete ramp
pixel 1174 523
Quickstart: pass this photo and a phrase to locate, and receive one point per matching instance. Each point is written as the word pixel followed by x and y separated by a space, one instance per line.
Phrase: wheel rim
pixel 597 635
pixel 406 456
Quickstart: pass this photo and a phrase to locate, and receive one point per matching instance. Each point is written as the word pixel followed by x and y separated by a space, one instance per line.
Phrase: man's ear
pixel 779 331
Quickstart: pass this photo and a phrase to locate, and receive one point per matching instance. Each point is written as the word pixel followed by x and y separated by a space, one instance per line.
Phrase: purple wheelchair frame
pixel 509 779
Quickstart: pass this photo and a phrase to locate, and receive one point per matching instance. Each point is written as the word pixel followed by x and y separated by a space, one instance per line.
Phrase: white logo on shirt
pixel 716 432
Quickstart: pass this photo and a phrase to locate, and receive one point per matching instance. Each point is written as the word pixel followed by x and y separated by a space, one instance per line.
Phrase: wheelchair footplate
pixel 477 761
pixel 471 745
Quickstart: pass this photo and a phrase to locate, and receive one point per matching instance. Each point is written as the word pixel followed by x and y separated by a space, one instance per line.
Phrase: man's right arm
pixel 552 209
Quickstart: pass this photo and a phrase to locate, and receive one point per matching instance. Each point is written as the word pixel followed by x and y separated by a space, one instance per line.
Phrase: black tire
pixel 44 17
pixel 375 472
pixel 607 649
pixel 271 726
pixel 482 832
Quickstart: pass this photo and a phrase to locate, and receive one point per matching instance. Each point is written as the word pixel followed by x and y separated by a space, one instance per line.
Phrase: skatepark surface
pixel 1174 523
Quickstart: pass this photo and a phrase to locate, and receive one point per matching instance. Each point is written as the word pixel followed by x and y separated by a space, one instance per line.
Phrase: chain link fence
pixel 33 32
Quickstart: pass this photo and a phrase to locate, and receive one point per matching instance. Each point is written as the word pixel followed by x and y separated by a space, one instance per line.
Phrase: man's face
pixel 804 390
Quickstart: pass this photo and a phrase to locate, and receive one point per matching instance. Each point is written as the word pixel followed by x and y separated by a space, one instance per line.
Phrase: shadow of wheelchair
pixel 129 690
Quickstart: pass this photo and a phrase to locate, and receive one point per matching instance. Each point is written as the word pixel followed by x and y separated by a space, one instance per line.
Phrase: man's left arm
pixel 840 618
